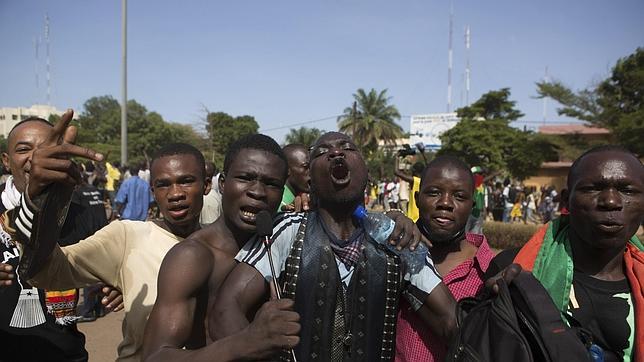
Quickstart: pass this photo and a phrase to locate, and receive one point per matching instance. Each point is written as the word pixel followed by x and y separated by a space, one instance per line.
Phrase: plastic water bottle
pixel 379 227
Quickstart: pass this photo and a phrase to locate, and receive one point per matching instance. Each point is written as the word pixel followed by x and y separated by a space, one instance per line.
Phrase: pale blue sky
pixel 287 62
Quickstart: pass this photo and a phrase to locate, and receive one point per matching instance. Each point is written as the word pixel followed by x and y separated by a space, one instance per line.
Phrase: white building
pixel 427 128
pixel 9 116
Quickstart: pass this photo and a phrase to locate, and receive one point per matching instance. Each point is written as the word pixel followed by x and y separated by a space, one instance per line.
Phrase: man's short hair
pixel 294 146
pixel 451 161
pixel 29 119
pixel 255 142
pixel 134 169
pixel 174 149
pixel 597 149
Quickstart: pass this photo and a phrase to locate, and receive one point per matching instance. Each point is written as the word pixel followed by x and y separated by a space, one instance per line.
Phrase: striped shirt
pixel 285 229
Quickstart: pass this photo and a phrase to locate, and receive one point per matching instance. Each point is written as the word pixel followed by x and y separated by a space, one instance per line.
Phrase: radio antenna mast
pixel 449 58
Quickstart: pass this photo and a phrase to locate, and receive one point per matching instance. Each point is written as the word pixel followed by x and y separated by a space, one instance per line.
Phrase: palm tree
pixel 370 120
pixel 303 135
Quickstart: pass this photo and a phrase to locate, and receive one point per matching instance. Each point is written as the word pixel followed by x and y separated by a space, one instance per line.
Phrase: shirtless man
pixel 346 288
pixel 252 180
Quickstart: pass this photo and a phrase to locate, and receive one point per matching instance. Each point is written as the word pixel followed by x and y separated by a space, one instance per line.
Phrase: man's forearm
pixel 236 347
pixel 438 311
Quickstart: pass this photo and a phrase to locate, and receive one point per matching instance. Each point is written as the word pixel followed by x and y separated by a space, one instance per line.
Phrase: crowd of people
pixel 202 289
pixel 503 200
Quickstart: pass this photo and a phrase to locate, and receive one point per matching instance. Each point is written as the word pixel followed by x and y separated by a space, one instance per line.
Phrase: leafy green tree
pixel 371 119
pixel 615 103
pixel 303 135
pixel 99 127
pixel 484 137
pixel 224 129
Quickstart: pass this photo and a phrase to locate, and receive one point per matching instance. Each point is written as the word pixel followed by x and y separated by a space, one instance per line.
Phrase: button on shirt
pixel 136 195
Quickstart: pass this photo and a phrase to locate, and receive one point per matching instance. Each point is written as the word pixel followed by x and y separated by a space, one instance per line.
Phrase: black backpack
pixel 521 323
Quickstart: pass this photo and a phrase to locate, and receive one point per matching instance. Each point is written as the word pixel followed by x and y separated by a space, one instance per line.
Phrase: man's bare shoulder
pixel 190 251
pixel 215 238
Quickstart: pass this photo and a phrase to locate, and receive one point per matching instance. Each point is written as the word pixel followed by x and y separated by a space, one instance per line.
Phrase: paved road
pixel 103 336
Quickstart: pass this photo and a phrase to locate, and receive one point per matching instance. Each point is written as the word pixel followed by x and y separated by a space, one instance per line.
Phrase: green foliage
pixel 303 135
pixel 381 164
pixel 224 129
pixel 615 103
pixel 99 127
pixel 371 119
pixel 492 105
pixel 502 235
pixel 484 137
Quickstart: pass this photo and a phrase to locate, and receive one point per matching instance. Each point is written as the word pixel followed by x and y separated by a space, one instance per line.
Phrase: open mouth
pixel 248 214
pixel 179 211
pixel 340 174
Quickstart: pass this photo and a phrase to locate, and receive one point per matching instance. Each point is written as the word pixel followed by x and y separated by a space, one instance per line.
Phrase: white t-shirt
pixel 284 234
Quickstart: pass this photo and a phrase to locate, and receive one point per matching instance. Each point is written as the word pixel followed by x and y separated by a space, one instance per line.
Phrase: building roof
pixel 572 128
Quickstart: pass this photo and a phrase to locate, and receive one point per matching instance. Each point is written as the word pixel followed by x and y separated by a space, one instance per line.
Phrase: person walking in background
pixel 499 202
pixel 112 177
pixel 404 194
pixel 133 198
pixel 508 202
pixel 144 171
pixel 517 209
pixel 212 200
pixel 414 181
pixel 531 207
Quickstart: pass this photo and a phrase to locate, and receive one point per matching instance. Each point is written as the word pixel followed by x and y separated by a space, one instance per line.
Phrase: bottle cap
pixel 360 212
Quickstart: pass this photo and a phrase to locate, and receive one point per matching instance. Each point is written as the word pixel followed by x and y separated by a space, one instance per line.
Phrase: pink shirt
pixel 414 341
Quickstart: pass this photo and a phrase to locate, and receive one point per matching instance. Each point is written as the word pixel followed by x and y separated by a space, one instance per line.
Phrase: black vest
pixel 312 279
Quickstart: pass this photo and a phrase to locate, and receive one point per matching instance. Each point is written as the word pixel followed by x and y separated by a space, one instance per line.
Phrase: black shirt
pixel 45 342
pixel 604 308
pixel 86 215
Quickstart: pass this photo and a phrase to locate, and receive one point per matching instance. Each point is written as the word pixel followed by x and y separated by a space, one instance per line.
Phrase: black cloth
pixel 597 308
pixel 45 342
pixel 86 215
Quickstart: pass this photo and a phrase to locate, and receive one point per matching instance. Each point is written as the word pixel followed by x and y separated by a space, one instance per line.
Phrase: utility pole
pixel 124 82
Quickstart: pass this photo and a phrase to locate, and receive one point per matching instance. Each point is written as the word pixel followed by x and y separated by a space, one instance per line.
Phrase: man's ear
pixel 220 183
pixel 5 161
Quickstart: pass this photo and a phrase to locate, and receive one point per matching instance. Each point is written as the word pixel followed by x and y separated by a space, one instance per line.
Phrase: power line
pixel 291 125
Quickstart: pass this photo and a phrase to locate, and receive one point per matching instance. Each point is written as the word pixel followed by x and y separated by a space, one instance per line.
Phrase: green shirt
pixel 287 196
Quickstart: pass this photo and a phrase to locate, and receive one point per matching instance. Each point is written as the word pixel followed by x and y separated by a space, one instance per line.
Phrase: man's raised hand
pixel 50 162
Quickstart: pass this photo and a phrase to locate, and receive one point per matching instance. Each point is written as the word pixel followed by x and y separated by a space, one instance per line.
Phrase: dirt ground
pixel 103 336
